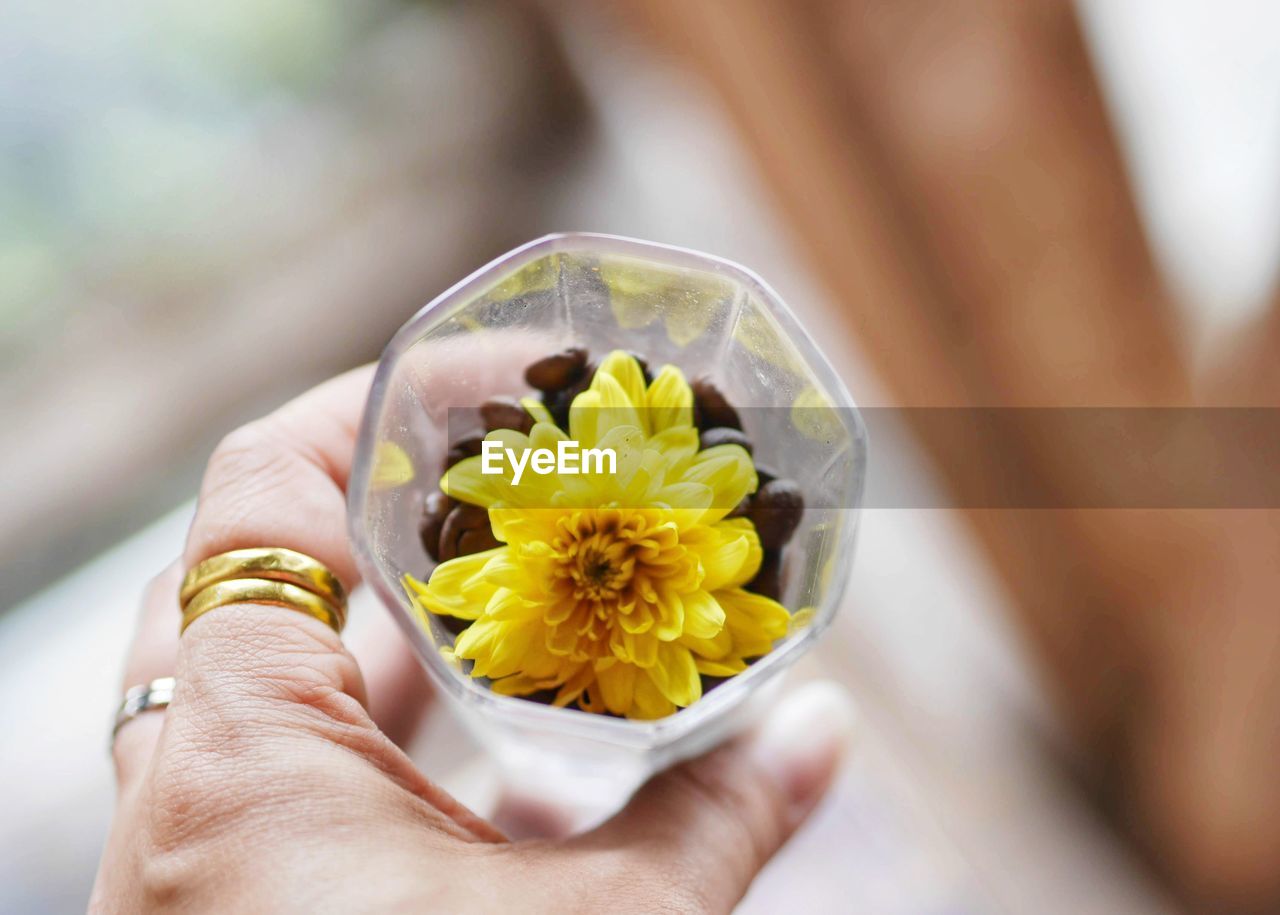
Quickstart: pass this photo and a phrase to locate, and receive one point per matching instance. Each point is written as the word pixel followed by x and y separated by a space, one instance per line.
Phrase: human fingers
pixel 315 436
pixel 151 655
pixel 704 829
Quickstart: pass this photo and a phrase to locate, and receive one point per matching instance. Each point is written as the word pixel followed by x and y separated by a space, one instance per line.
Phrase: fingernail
pixel 802 740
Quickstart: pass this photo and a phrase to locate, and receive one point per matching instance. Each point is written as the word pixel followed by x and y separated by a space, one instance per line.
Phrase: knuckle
pixel 247 656
pixel 247 460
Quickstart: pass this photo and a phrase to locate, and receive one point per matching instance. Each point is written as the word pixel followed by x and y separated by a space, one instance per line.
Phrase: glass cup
pixel 705 315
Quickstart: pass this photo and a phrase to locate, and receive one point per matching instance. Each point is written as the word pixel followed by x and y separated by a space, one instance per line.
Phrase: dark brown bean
pixel 560 402
pixel 711 407
pixel 558 371
pixel 453 625
pixel 709 683
pixel 461 518
pixel 768 581
pixel 723 435
pixel 435 507
pixel 505 413
pixel 469 446
pixel 776 511
pixel 477 541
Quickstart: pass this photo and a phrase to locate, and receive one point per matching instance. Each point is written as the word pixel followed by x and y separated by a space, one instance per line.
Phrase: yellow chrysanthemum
pixel 615 590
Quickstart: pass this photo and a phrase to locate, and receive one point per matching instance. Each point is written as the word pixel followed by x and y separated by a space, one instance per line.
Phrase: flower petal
pixel 703 615
pixel 537 409
pixel 676 675
pixel 457 587
pixel 617 685
pixel 755 554
pixel 624 369
pixel 670 401
pixel 753 620
pixel 729 667
pixel 465 482
pixel 728 471
pixel 648 702
pixel 723 554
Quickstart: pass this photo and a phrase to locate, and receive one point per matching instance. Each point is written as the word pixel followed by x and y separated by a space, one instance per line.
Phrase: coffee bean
pixel 711 407
pixel 454 625
pixel 709 683
pixel 477 541
pixel 723 435
pixel 470 446
pixel 436 506
pixel 555 372
pixel 505 413
pixel 768 581
pixel 776 511
pixel 561 401
pixel 461 518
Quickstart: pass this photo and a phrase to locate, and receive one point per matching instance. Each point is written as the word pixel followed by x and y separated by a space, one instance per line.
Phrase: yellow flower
pixel 615 590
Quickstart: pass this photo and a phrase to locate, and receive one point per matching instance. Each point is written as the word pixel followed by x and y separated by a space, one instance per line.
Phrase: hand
pixel 274 781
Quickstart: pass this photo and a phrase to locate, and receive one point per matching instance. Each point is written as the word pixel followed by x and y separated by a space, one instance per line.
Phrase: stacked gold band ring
pixel 265 575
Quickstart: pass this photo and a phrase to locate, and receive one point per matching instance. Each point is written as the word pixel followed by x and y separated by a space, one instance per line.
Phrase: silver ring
pixel 138 699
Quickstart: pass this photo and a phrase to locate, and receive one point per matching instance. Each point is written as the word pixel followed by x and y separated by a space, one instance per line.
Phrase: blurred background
pixel 207 208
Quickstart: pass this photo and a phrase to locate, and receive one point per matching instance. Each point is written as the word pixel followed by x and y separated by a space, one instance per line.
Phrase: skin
pixel 275 781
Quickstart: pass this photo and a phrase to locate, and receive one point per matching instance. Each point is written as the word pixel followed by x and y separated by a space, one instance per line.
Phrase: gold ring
pixel 263 591
pixel 274 563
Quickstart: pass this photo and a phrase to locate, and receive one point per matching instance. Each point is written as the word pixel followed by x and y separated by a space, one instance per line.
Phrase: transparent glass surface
pixel 707 316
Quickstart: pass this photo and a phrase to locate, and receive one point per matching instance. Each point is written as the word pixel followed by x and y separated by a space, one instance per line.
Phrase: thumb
pixel 708 826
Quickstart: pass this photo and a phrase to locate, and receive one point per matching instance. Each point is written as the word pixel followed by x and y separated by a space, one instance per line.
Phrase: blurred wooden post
pixel 949 171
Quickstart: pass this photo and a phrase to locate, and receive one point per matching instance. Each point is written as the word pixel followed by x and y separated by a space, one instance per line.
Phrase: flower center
pixel 614 569
pixel 596 576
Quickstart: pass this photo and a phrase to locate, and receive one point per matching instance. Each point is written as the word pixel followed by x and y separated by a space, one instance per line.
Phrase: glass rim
pixel 638 734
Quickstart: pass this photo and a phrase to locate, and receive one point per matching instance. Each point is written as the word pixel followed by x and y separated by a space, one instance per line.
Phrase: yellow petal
pixel 516 685
pixel 750 563
pixel 648 702
pixel 476 641
pixel 604 406
pixel 723 556
pixel 715 648
pixel 726 668
pixel 465 482
pixel 677 445
pixel 670 401
pixel 538 410
pixel 392 466
pixel 502 652
pixel 753 620
pixel 676 675
pixel 624 368
pixel 458 587
pixel 728 471
pixel 507 605
pixel 671 617
pixel 703 615
pixel 574 685
pixel 617 685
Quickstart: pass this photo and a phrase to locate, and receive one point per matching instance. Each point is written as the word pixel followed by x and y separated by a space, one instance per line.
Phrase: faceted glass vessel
pixel 708 317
